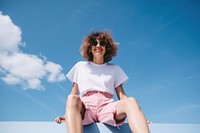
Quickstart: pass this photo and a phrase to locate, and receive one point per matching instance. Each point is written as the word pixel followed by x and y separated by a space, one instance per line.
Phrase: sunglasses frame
pixel 102 43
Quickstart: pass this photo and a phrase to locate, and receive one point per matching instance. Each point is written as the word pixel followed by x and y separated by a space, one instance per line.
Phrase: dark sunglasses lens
pixel 94 43
pixel 102 43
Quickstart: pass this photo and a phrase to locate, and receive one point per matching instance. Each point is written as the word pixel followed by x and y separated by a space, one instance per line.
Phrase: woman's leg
pixel 73 117
pixel 136 119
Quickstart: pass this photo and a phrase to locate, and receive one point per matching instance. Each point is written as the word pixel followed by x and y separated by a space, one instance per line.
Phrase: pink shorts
pixel 99 107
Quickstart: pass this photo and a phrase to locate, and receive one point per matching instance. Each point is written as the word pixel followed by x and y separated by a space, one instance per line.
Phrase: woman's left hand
pixel 59 119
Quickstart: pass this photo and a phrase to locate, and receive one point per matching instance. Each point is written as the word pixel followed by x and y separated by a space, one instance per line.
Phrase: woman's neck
pixel 98 61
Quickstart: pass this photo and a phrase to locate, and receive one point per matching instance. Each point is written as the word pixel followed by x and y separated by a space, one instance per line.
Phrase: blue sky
pixel 159 50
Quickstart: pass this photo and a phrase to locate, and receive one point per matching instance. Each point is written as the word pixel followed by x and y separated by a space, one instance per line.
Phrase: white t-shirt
pixel 94 77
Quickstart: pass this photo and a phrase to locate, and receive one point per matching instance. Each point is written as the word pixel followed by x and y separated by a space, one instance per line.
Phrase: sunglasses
pixel 102 43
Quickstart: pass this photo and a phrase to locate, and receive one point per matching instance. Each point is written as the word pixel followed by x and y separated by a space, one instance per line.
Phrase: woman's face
pixel 98 49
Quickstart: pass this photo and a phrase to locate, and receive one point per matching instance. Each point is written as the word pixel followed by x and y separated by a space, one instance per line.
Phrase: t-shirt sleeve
pixel 72 75
pixel 120 77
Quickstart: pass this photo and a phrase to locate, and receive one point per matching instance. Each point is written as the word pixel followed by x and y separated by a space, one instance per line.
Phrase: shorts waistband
pixel 106 94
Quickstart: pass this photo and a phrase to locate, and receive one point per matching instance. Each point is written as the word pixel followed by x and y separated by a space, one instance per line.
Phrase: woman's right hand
pixel 59 119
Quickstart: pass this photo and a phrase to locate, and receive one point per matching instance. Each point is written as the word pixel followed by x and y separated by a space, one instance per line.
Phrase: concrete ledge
pixel 52 127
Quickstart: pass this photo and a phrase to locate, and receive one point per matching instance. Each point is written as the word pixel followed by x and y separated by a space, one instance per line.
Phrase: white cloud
pixel 10 35
pixel 19 68
pixel 22 65
pixel 11 79
pixel 54 72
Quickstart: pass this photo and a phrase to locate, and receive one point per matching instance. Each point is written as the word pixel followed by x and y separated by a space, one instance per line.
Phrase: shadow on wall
pixel 99 128
pixel 91 127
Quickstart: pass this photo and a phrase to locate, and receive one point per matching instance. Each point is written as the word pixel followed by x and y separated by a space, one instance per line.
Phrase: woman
pixel 96 80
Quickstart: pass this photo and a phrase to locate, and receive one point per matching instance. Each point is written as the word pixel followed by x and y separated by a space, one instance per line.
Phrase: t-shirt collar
pixel 97 65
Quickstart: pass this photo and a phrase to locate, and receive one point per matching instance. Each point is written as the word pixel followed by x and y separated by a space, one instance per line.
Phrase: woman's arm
pixel 120 92
pixel 75 89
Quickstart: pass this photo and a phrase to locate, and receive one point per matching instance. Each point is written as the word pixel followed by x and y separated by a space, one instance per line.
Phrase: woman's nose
pixel 98 44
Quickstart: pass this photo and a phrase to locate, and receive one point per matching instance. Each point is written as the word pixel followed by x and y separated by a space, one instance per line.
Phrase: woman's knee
pixel 132 102
pixel 73 101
